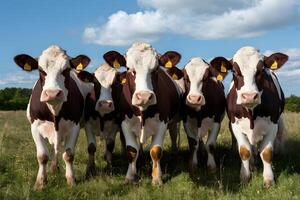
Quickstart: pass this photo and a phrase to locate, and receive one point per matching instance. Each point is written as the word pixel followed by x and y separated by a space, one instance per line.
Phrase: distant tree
pixel 292 103
pixel 14 98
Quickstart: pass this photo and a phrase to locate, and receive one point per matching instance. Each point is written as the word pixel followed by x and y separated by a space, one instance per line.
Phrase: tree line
pixel 17 99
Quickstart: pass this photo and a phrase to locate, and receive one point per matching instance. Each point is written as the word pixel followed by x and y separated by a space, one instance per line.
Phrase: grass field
pixel 18 168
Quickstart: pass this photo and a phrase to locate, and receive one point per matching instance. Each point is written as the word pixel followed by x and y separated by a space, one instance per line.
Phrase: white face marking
pixel 143 59
pixel 53 62
pixel 195 70
pixel 105 75
pixel 247 59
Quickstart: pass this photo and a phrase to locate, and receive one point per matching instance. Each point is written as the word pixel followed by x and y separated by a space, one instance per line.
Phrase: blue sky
pixel 191 27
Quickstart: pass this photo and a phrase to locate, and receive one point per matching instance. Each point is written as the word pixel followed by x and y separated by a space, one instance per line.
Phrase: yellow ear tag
pixel 27 67
pixel 169 64
pixel 116 64
pixel 274 65
pixel 223 68
pixel 79 67
pixel 123 81
pixel 220 77
pixel 174 77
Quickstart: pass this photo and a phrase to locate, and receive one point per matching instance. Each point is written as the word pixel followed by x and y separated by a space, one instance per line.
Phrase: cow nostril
pixel 150 97
pixel 199 99
pixel 255 96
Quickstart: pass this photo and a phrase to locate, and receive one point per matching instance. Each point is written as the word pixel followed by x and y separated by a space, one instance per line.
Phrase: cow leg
pixel 132 151
pixel 156 154
pixel 210 147
pixel 109 147
pixel 267 148
pixel 91 140
pixel 123 142
pixel 42 157
pixel 56 146
pixel 173 131
pixel 193 146
pixel 68 155
pixel 245 153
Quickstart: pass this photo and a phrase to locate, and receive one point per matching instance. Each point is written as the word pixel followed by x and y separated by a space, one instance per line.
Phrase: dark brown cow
pixel 55 107
pixel 147 102
pixel 254 105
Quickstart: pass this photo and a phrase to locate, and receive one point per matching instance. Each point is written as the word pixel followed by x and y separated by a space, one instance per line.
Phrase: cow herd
pixel 148 97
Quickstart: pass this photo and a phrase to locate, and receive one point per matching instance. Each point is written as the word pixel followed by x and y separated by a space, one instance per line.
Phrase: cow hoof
pixel 245 179
pixel 156 182
pixel 131 181
pixel 40 183
pixel 54 167
pixel 71 181
pixel 90 171
pixel 268 183
pixel 211 169
pixel 192 169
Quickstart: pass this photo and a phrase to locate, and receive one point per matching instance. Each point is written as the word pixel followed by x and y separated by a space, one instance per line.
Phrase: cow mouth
pixel 250 105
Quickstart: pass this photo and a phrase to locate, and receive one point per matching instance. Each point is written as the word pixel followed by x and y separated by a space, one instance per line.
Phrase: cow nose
pixel 144 96
pixel 248 97
pixel 195 99
pixel 52 95
pixel 105 106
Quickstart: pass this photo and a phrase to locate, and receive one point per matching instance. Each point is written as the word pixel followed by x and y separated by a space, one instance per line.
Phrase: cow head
pixel 106 75
pixel 142 59
pixel 196 72
pixel 54 67
pixel 248 66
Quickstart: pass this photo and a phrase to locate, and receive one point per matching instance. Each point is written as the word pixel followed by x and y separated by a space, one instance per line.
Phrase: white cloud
pixel 199 19
pixel 18 79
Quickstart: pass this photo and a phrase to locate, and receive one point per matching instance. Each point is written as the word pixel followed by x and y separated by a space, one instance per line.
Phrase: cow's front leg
pixel 109 147
pixel 245 153
pixel 173 131
pixel 42 157
pixel 56 147
pixel 68 155
pixel 91 141
pixel 132 152
pixel 193 147
pixel 210 148
pixel 267 148
pixel 156 154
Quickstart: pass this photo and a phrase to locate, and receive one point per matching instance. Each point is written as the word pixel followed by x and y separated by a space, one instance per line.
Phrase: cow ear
pixel 26 62
pixel 80 62
pixel 86 76
pixel 176 73
pixel 275 61
pixel 220 67
pixel 169 59
pixel 114 59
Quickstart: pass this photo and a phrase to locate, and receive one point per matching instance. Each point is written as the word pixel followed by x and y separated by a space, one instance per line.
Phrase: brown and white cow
pixel 101 117
pixel 55 107
pixel 255 103
pixel 147 102
pixel 203 111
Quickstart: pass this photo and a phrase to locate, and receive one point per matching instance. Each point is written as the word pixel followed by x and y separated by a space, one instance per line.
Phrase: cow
pixel 101 117
pixel 204 106
pixel 56 105
pixel 147 102
pixel 255 102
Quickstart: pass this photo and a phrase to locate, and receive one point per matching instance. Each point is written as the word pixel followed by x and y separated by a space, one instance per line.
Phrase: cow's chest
pixel 151 126
pixel 262 127
pixel 47 129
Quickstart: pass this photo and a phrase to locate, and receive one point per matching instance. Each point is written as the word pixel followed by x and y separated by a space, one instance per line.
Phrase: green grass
pixel 18 168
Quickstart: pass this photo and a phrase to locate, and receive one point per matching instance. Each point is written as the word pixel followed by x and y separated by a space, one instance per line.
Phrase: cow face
pixel 143 60
pixel 248 66
pixel 54 67
pixel 195 73
pixel 105 75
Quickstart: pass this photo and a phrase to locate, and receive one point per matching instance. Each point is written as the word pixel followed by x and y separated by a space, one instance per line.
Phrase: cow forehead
pixel 105 75
pixel 54 58
pixel 247 59
pixel 141 56
pixel 196 68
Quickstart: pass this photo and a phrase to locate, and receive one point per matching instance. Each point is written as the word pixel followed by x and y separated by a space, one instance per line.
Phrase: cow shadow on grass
pixel 225 179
